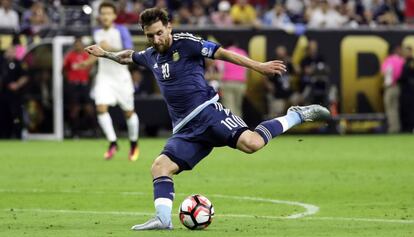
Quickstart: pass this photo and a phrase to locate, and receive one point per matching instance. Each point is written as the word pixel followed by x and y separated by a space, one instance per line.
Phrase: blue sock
pixel 163 198
pixel 274 127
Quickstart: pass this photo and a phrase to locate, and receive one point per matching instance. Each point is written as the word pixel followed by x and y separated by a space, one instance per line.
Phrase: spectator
pixel 77 88
pixel 35 19
pixel 233 81
pixel 13 77
pixel 222 17
pixel 389 13
pixel 324 16
pixel 407 91
pixel 183 16
pixel 199 17
pixel 409 12
pixel 243 13
pixel 277 17
pixel 391 69
pixel 295 9
pixel 126 15
pixel 9 17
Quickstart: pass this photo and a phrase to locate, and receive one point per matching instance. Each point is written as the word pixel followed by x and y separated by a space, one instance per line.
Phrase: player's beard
pixel 163 47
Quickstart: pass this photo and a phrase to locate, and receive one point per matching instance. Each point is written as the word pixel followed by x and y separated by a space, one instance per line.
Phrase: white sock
pixel 163 207
pixel 290 120
pixel 105 122
pixel 133 127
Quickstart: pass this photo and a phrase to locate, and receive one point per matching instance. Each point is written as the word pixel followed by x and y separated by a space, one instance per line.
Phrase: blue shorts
pixel 215 126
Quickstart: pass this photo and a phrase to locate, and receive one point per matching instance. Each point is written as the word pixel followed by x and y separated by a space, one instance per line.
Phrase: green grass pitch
pixel 362 185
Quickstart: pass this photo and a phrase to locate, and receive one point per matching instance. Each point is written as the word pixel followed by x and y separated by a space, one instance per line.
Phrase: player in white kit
pixel 113 83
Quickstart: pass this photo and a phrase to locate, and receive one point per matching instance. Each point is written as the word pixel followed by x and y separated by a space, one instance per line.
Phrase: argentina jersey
pixel 180 75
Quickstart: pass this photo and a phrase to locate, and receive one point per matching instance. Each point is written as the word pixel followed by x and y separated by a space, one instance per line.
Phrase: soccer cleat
pixel 153 224
pixel 133 153
pixel 311 113
pixel 113 148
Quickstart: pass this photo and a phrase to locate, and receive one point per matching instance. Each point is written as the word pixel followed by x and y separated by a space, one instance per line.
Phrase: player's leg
pixel 125 98
pixel 162 170
pixel 132 121
pixel 105 96
pixel 251 141
pixel 105 122
pixel 179 154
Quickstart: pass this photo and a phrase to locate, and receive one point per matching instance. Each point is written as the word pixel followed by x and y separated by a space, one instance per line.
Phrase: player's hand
pixel 272 68
pixel 95 50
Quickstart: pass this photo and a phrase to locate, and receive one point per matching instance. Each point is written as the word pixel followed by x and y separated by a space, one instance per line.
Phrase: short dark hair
pixel 107 4
pixel 152 15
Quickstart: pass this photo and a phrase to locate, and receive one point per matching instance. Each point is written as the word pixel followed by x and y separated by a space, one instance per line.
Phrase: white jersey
pixel 113 82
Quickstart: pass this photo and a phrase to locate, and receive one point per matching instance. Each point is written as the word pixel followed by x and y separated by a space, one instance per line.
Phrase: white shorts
pixel 116 94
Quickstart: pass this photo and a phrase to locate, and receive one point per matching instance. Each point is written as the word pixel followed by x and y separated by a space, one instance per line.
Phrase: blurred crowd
pixel 25 78
pixel 31 17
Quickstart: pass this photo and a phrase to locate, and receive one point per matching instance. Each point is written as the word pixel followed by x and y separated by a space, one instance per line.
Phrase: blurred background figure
pixel 308 63
pixel 325 16
pixel 277 16
pixel 222 17
pixel 212 75
pixel 199 15
pixel 389 13
pixel 35 19
pixel 13 78
pixel 407 91
pixel 233 81
pixel 244 14
pixel 80 110
pixel 143 85
pixel 319 89
pixel 391 69
pixel 128 12
pixel 9 17
pixel 281 95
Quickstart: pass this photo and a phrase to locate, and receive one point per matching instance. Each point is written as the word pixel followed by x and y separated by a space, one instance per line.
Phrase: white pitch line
pixel 122 213
pixel 309 208
pixel 362 219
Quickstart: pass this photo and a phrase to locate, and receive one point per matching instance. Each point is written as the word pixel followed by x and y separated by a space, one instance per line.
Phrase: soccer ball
pixel 196 212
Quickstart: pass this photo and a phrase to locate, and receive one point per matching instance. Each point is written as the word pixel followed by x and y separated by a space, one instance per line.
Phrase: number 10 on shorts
pixel 233 122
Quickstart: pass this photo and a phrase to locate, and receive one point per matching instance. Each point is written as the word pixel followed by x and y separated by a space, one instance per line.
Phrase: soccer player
pixel 113 83
pixel 200 123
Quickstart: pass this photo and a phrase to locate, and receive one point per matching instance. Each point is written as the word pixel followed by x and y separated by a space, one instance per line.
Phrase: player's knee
pixel 163 166
pixel 252 144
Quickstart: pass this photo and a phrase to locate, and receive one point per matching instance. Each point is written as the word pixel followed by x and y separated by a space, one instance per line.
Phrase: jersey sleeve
pixel 201 48
pixel 140 58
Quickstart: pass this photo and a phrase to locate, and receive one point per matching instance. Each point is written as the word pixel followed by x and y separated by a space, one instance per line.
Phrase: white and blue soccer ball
pixel 196 212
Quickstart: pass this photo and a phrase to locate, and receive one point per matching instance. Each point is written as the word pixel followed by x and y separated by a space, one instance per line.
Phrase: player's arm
pixel 122 57
pixel 267 68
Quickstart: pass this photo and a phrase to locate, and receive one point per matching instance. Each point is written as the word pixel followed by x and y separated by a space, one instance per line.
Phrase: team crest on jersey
pixel 204 51
pixel 176 56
